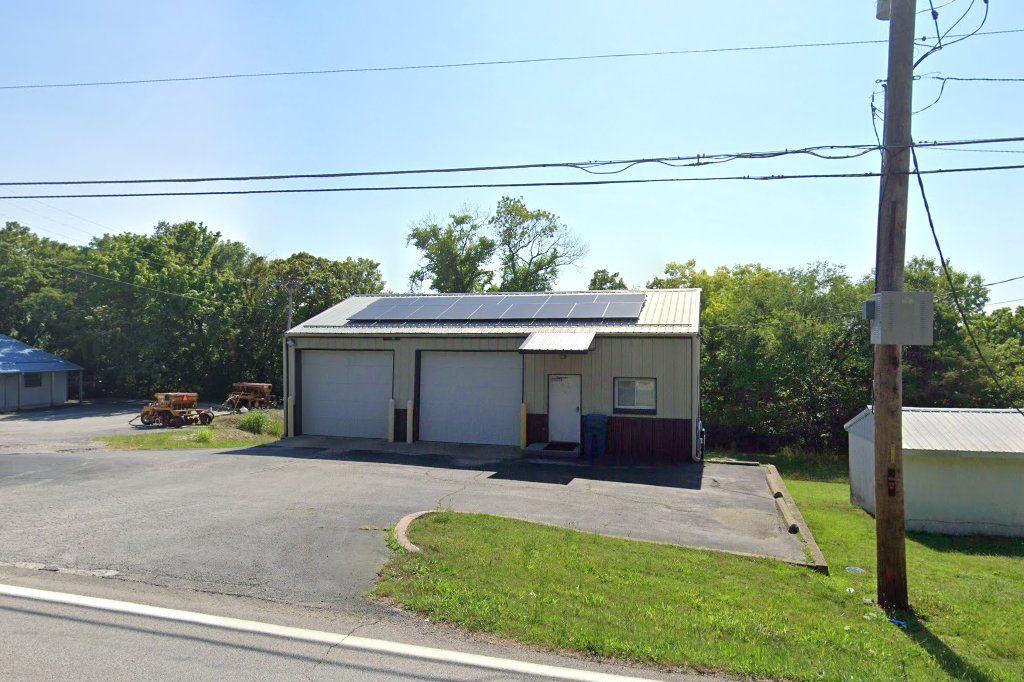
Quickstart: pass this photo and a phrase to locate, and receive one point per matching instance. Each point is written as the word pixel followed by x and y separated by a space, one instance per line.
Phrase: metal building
pixel 963 469
pixel 527 370
pixel 30 377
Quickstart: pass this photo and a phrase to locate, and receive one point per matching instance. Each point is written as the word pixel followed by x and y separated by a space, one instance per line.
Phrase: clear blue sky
pixel 565 111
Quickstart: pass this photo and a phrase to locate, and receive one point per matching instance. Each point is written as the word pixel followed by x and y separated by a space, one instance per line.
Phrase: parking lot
pixel 305 523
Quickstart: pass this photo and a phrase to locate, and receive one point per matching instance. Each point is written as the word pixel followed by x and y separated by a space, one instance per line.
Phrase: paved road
pixel 302 527
pixel 66 428
pixel 281 528
pixel 47 641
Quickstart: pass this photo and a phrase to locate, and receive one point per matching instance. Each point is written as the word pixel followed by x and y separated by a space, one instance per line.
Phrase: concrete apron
pixel 718 507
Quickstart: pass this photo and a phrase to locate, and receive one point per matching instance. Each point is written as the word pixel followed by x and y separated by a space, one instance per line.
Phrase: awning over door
pixel 558 342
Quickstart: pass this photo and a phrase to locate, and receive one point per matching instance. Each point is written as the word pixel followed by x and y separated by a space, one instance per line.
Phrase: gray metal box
pixel 901 318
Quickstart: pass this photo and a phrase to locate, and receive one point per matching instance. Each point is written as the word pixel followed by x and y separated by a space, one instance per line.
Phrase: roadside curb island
pixel 817 560
pixel 402 531
pixel 794 519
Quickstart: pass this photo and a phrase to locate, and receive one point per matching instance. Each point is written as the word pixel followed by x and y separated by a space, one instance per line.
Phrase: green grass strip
pixel 671 606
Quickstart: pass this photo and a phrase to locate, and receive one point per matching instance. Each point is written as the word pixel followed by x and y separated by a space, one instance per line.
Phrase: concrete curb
pixel 402 535
pixel 791 513
pixel 402 531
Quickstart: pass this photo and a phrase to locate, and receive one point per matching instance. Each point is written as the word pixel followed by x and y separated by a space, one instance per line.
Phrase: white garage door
pixel 346 392
pixel 471 397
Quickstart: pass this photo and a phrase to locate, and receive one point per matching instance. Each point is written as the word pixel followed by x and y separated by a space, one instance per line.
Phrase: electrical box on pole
pixel 901 318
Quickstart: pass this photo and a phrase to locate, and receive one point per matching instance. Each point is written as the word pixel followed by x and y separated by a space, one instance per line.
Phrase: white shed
pixel 963 469
pixel 30 377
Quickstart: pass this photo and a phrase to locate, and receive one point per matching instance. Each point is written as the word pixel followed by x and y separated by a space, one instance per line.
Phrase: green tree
pixel 949 372
pixel 604 280
pixel 453 256
pixel 784 358
pixel 314 284
pixel 1004 331
pixel 532 246
pixel 38 290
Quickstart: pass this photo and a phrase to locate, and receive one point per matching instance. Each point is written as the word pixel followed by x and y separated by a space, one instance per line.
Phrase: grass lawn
pixel 708 611
pixel 224 432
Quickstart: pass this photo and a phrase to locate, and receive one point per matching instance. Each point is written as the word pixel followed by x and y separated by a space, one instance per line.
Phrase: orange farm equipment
pixel 175 410
pixel 251 397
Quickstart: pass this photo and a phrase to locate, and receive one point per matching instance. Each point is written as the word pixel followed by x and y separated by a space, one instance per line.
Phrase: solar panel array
pixel 597 306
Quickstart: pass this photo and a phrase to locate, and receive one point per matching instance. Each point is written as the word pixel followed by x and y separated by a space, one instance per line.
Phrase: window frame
pixel 617 409
pixel 37 377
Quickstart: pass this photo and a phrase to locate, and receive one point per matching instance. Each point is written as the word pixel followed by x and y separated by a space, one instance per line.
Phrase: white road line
pixel 316 636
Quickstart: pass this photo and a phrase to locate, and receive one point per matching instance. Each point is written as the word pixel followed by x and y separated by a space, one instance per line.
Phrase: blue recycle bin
pixel 595 436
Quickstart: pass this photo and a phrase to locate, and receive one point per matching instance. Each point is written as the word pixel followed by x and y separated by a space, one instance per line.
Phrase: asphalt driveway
pixel 306 525
pixel 66 428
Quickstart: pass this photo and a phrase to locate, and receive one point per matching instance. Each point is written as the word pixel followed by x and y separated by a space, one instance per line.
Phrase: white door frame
pixel 575 420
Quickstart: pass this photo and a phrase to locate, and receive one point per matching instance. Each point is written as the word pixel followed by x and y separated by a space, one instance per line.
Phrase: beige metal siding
pixel 666 359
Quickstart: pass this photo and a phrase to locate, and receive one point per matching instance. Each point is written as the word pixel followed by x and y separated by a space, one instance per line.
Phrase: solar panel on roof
pixel 531 300
pixel 596 306
pixel 621 298
pixel 554 311
pixel 623 311
pixel 574 298
pixel 371 311
pixel 521 311
pixel 489 311
pixel 428 312
pixel 460 311
pixel 588 311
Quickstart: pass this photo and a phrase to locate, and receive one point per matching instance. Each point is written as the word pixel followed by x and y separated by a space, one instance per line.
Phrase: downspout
pixel 284 384
pixel 698 455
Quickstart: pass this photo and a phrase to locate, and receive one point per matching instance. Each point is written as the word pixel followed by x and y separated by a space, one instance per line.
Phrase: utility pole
pixel 890 254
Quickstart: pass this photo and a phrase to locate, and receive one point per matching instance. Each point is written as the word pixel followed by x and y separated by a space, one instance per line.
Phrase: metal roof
pixel 665 311
pixel 557 342
pixel 941 429
pixel 17 357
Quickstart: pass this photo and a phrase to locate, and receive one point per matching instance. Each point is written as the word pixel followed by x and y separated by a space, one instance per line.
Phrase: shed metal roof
pixel 940 429
pixel 17 357
pixel 665 311
pixel 557 342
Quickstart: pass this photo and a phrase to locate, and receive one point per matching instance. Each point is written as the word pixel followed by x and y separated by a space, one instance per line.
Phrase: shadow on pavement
pixel 502 466
pixel 73 411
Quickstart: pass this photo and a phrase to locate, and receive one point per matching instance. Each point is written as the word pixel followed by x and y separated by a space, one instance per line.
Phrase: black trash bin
pixel 595 436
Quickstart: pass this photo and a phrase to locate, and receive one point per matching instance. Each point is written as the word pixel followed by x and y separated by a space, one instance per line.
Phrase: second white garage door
pixel 346 392
pixel 470 397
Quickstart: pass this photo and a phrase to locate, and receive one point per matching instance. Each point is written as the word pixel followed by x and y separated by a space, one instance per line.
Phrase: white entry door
pixel 564 408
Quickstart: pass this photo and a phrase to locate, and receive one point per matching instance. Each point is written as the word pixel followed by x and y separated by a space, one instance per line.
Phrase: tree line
pixel 785 355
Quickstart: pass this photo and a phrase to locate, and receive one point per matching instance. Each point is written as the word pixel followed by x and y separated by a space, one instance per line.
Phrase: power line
pixel 499 185
pixel 952 287
pixel 1012 300
pixel 455 65
pixel 959 79
pixel 1003 281
pixel 959 38
pixel 695 160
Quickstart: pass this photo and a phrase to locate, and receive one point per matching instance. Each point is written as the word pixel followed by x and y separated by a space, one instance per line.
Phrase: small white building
pixel 30 377
pixel 963 469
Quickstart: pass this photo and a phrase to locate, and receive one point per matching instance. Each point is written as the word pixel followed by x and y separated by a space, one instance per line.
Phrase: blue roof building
pixel 30 377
